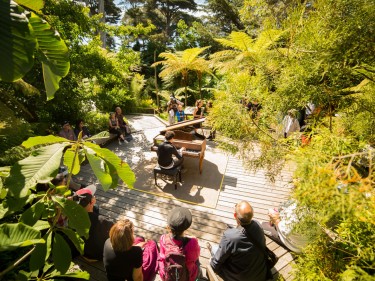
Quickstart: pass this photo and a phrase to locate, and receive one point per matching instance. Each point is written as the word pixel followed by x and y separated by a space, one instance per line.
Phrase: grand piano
pixel 185 137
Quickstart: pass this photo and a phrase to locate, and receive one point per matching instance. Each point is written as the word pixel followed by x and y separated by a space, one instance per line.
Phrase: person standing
pixel 167 150
pixel 180 114
pixel 241 252
pixel 290 123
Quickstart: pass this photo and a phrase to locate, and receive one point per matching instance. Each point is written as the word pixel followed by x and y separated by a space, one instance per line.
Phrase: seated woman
pixel 125 128
pixel 126 258
pixel 80 126
pixel 114 127
pixel 179 220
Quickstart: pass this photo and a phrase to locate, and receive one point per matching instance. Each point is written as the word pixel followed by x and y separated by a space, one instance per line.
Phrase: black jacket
pixel 237 258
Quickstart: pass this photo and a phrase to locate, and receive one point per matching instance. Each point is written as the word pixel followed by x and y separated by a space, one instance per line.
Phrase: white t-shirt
pixel 292 239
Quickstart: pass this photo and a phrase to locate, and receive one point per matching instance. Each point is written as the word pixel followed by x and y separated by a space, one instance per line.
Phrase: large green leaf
pixel 17 43
pixel 15 235
pixel 78 218
pixel 71 158
pixel 33 214
pixel 11 204
pixel 41 253
pixel 53 53
pixel 61 253
pixel 119 167
pixel 27 172
pixel 41 225
pixel 74 237
pixel 34 5
pixel 99 167
pixel 51 81
pixel 33 141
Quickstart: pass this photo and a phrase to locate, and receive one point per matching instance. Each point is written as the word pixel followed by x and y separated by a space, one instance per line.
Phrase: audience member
pixel 80 127
pixel 127 257
pixel 290 123
pixel 125 128
pixel 180 113
pixel 114 127
pixel 179 220
pixel 198 113
pixel 171 114
pixel 100 226
pixel 172 105
pixel 281 228
pixel 61 179
pixel 166 150
pixel 67 132
pixel 241 252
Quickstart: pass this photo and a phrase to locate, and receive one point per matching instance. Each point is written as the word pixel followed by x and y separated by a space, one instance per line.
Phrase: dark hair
pixel 169 135
pixel 78 122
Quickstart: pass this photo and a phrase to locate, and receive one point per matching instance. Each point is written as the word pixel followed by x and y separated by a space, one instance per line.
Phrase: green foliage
pixel 317 52
pixel 29 33
pixel 41 214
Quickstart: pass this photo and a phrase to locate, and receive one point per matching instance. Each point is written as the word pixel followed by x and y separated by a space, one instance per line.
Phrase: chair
pixel 169 172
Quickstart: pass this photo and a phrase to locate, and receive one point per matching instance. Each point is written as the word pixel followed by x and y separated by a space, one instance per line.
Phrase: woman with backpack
pixel 179 254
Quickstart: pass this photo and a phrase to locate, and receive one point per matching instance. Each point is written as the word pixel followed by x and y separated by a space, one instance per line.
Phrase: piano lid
pixel 183 124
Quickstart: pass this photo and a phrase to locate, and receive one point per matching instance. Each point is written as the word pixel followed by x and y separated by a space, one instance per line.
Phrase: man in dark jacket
pixel 166 150
pixel 241 252
pixel 100 225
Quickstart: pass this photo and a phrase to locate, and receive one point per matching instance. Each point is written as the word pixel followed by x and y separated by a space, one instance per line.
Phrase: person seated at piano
pixel 166 150
pixel 198 113
pixel 180 114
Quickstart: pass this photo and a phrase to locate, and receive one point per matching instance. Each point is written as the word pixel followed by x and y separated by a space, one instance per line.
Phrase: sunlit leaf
pixel 78 218
pixel 17 43
pixel 42 140
pixel 70 158
pixel 15 235
pixel 32 214
pixel 35 5
pixel 27 172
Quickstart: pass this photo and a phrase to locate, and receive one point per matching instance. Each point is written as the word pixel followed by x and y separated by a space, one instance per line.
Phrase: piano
pixel 185 137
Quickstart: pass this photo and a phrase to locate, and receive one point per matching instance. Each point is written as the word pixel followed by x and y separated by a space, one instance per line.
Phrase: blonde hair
pixel 198 102
pixel 121 235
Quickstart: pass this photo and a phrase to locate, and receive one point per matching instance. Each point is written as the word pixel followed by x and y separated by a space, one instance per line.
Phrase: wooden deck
pixel 149 212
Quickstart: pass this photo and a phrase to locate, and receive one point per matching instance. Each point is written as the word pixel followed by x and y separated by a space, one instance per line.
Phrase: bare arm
pixel 137 274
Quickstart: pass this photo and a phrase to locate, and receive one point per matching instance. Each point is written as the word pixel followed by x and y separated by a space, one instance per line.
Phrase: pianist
pixel 165 152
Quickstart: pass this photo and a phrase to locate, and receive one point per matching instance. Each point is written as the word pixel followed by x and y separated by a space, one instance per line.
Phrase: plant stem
pixel 17 262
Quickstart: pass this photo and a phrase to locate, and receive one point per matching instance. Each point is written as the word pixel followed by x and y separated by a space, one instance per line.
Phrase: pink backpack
pixel 175 261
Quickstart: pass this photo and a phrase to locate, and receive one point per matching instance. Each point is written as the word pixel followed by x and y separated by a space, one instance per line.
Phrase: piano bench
pixel 169 172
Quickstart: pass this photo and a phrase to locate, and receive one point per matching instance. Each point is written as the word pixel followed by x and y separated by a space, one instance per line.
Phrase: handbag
pixel 270 257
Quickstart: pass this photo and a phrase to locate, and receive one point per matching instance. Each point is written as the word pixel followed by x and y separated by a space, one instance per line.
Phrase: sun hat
pixel 179 219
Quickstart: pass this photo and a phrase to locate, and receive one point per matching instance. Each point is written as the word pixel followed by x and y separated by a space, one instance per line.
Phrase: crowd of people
pixel 116 124
pixel 240 255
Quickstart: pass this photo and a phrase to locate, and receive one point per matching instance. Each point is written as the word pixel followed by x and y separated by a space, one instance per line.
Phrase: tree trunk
pixel 103 35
